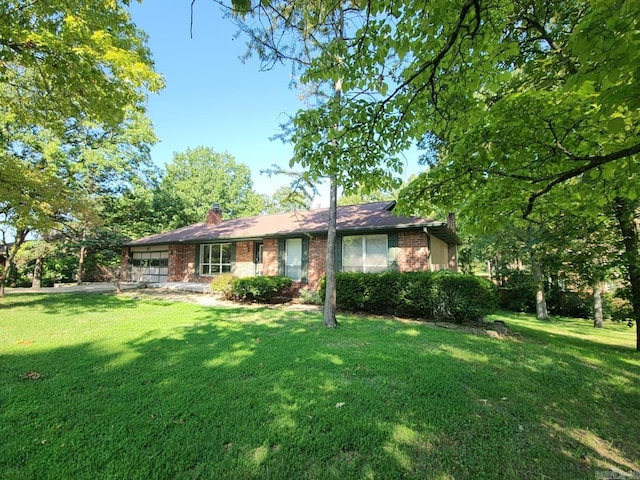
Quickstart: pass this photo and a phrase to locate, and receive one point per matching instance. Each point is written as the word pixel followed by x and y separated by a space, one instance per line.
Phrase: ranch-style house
pixel 370 238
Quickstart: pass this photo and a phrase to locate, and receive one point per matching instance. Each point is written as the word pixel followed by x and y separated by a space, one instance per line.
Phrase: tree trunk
pixel 116 274
pixel 598 321
pixel 37 273
pixel 541 302
pixel 625 213
pixel 329 318
pixel 21 235
pixel 81 257
pixel 80 273
pixel 3 275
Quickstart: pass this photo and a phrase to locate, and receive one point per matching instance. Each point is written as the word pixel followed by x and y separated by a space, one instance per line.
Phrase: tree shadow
pixel 256 392
pixel 71 303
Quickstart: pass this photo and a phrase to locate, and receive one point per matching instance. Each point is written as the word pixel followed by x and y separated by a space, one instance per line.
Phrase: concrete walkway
pixel 74 287
pixel 190 287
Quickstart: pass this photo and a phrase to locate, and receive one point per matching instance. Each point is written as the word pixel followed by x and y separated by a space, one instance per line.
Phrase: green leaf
pixel 609 171
pixel 616 124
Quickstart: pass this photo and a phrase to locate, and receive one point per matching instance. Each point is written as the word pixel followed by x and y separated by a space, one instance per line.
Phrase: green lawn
pixel 150 389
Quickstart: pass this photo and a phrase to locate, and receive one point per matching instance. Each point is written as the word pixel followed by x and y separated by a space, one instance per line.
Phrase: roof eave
pixel 443 231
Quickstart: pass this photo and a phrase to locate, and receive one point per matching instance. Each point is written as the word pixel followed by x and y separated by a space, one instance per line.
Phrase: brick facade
pixel 270 257
pixel 413 255
pixel 182 263
pixel 317 261
pixel 245 266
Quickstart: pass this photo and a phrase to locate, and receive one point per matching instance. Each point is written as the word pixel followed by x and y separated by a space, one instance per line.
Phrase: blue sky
pixel 211 98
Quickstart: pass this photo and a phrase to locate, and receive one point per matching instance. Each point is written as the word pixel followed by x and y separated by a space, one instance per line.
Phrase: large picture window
pixel 365 253
pixel 293 259
pixel 215 258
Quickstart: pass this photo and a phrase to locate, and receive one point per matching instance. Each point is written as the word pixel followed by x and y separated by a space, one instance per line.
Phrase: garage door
pixel 152 267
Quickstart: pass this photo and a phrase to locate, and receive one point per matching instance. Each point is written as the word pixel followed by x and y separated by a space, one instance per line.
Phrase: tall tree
pixel 71 74
pixel 527 105
pixel 34 252
pixel 359 197
pixel 53 179
pixel 288 199
pixel 314 38
pixel 199 177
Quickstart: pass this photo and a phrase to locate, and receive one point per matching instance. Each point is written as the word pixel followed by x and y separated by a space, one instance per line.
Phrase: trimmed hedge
pixel 223 284
pixel 432 296
pixel 262 289
pixel 461 298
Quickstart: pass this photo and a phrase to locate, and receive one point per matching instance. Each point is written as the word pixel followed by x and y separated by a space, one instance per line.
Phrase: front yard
pixel 105 386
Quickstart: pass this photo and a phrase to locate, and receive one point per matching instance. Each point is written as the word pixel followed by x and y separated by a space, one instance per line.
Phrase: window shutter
pixel 197 262
pixel 338 253
pixel 281 254
pixel 305 260
pixel 394 248
pixel 233 257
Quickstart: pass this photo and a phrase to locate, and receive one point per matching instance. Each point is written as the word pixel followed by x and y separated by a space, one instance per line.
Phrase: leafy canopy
pixel 72 60
pixel 74 79
pixel 200 177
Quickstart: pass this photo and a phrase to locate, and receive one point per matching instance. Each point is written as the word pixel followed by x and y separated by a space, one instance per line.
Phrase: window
pixel 215 258
pixel 365 253
pixel 293 259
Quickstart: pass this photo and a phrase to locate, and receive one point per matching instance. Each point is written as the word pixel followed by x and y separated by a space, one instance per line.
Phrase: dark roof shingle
pixel 370 216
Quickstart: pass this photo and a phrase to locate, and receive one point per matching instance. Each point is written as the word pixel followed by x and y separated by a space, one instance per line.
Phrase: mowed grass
pixel 133 388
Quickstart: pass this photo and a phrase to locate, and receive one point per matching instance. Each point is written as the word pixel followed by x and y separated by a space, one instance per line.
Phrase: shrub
pixel 310 297
pixel 262 289
pixel 569 303
pixel 415 295
pixel 443 296
pixel 462 298
pixel 518 292
pixel 617 306
pixel 364 292
pixel 223 284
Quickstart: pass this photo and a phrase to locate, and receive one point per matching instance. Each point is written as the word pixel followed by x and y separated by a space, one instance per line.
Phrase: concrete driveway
pixel 74 287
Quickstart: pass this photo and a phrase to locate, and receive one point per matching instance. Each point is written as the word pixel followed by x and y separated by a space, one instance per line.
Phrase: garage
pixel 150 266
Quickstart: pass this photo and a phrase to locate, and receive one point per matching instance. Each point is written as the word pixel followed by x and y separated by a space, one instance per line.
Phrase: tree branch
pixel 593 162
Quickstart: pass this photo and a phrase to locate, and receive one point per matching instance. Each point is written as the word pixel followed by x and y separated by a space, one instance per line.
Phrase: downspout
pixel 426 230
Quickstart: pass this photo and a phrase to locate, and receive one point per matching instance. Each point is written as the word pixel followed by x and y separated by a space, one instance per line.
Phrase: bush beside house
pixel 254 289
pixel 427 295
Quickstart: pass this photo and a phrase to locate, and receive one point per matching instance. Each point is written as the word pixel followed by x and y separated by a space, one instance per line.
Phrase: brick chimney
pixel 214 215
pixel 451 221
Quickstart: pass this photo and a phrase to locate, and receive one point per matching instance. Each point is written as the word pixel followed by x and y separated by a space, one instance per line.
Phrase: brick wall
pixel 244 266
pixel 317 261
pixel 270 257
pixel 413 255
pixel 182 263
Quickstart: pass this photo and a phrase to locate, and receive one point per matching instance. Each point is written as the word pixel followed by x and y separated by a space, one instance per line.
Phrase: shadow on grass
pixel 265 393
pixel 67 303
pixel 572 331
